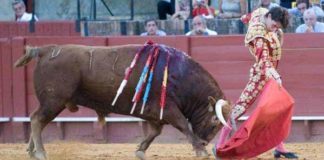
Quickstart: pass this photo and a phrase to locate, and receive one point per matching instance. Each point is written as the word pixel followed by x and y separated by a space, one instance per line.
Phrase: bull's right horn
pixel 218 109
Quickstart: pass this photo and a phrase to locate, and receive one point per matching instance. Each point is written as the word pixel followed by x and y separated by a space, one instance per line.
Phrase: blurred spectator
pixel 199 25
pixel 286 3
pixel 315 2
pixel 268 4
pixel 165 7
pixel 231 8
pixel 302 5
pixel 311 23
pixel 318 10
pixel 322 4
pixel 182 9
pixel 201 7
pixel 152 29
pixel 20 11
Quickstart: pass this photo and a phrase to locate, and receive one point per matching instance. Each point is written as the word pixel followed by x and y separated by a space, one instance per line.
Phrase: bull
pixel 68 76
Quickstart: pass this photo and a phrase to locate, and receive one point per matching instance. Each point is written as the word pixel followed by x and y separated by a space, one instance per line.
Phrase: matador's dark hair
pixel 279 14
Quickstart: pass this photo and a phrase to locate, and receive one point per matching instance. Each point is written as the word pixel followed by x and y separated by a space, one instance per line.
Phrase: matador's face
pixel 271 24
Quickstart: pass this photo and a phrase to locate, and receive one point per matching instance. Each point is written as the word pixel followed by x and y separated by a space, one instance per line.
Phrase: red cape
pixel 266 127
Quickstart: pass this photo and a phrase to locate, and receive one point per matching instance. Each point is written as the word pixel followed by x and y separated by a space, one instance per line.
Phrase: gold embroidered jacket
pixel 265 46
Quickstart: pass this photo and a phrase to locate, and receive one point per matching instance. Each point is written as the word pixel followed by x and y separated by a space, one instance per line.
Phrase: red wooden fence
pixel 225 57
pixel 42 28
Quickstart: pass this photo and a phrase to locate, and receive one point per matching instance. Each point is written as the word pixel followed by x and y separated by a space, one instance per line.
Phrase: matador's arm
pixel 264 60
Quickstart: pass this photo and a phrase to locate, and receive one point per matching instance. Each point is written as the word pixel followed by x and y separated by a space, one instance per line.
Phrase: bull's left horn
pixel 218 108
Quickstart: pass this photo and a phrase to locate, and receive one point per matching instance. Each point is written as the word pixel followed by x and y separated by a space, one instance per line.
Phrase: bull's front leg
pixel 31 146
pixel 175 117
pixel 154 129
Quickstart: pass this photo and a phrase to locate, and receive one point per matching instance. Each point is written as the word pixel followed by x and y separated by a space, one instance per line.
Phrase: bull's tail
pixel 31 52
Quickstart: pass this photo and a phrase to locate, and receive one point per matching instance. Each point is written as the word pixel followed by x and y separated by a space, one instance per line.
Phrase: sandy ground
pixel 83 151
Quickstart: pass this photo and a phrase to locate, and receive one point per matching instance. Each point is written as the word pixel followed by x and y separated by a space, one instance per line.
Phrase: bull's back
pixel 95 70
pixel 103 69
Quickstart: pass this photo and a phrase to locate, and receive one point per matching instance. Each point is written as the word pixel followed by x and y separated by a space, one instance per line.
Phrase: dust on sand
pixel 84 151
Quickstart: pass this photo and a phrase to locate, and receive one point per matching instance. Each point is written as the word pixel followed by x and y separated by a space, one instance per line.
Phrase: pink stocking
pixel 223 136
pixel 281 148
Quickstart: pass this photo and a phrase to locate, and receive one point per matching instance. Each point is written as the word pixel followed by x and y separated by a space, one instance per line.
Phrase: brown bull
pixel 69 75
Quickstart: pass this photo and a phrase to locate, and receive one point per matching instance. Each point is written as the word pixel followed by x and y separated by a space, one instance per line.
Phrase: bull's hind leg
pixel 154 130
pixel 39 119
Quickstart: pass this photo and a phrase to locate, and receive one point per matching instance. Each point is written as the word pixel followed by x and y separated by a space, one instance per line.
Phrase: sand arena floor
pixel 82 151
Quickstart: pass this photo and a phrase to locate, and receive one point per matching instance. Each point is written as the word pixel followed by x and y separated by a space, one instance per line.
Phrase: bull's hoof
pixel 37 155
pixel 30 153
pixel 30 148
pixel 140 155
pixel 202 154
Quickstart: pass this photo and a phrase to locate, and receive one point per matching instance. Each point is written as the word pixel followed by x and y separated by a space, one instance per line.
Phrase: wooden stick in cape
pixel 128 72
pixel 164 86
pixel 149 83
pixel 142 80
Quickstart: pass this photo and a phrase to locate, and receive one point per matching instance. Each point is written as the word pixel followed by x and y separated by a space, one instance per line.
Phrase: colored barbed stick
pixel 164 86
pixel 142 81
pixel 148 86
pixel 129 71
pixel 144 73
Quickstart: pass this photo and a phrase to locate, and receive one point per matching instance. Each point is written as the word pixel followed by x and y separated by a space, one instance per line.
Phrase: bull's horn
pixel 218 108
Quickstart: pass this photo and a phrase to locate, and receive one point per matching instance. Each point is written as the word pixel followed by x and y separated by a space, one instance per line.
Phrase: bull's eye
pixel 214 119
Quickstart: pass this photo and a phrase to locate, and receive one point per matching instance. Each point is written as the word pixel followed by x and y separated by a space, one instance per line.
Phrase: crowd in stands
pixel 226 9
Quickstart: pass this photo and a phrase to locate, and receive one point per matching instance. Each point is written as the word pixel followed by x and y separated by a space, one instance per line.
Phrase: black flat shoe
pixel 289 155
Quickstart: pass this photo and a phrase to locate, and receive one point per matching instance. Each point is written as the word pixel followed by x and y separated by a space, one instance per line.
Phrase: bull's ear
pixel 211 104
pixel 212 100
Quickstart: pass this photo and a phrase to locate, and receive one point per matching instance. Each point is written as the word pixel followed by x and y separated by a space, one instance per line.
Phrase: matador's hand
pixel 272 73
pixel 279 81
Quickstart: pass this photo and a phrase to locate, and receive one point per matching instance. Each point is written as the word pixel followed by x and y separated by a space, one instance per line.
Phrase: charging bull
pixel 69 75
